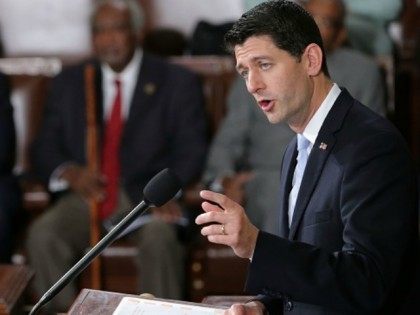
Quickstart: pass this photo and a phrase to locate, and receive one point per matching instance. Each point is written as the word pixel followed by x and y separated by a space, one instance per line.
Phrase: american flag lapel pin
pixel 323 146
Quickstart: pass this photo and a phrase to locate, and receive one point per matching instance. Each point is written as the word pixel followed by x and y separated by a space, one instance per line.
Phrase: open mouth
pixel 266 105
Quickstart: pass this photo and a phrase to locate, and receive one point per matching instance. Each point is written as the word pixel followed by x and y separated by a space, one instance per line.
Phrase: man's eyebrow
pixel 253 59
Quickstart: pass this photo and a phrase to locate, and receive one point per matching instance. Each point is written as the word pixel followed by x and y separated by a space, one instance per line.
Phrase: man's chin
pixel 274 119
pixel 116 66
pixel 111 60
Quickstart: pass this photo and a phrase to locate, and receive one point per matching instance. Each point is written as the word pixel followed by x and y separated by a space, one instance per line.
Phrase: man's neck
pixel 322 86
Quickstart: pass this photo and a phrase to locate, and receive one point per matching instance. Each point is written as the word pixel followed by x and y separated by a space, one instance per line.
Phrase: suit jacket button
pixel 289 306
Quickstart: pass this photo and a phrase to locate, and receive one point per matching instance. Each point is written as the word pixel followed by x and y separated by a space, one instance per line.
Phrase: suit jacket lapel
pixel 289 164
pixel 318 156
pixel 148 83
pixel 99 97
pixel 311 176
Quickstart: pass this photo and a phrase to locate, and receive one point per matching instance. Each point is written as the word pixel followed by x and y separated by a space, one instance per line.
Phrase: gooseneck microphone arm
pixel 87 259
pixel 158 191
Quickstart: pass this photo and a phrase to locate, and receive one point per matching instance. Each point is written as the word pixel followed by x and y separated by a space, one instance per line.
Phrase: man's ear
pixel 313 55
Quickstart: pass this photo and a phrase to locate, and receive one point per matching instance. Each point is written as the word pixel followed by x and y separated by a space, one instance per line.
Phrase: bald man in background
pixel 348 67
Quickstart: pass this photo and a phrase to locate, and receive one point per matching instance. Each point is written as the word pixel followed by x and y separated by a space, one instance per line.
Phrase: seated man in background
pixel 349 67
pixel 9 192
pixel 152 116
pixel 235 164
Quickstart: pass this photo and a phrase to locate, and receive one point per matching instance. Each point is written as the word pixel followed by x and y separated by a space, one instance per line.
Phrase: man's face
pixel 328 17
pixel 114 40
pixel 277 80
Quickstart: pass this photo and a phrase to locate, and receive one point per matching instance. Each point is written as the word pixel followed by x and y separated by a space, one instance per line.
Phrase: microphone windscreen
pixel 161 188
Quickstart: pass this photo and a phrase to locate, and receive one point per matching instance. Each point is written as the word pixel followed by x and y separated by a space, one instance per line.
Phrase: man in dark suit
pixel 152 117
pixel 9 192
pixel 348 225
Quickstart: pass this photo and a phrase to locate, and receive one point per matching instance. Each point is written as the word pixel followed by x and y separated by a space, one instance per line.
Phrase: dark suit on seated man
pixel 152 118
pixel 9 192
pixel 347 242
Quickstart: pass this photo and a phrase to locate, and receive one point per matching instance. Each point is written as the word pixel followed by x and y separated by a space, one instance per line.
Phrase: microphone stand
pixel 89 256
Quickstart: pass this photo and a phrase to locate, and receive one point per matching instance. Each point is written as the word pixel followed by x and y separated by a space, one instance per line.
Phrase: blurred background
pixel 38 38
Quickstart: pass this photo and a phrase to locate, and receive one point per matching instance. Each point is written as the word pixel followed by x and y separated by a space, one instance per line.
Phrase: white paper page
pixel 138 306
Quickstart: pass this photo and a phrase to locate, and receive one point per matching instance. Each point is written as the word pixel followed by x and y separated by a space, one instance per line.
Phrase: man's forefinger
pixel 217 198
pixel 208 217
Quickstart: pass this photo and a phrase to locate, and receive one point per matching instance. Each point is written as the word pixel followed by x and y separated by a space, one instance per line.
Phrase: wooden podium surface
pixel 13 282
pixel 96 302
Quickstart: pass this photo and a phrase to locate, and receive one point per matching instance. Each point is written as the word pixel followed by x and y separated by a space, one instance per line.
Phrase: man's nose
pixel 254 82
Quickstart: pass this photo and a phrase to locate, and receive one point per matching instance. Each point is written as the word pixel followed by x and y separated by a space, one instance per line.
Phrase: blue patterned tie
pixel 302 158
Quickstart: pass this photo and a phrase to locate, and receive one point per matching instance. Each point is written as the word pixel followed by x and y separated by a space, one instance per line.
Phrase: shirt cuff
pixel 56 183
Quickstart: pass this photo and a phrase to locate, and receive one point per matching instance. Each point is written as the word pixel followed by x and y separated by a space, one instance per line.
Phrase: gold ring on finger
pixel 223 229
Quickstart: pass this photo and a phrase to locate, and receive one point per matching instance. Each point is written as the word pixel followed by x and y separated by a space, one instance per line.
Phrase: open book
pixel 141 306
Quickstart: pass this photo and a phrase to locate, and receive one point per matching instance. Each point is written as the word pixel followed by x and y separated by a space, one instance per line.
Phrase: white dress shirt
pixel 128 79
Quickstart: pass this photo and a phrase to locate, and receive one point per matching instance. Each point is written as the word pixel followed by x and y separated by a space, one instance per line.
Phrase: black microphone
pixel 158 191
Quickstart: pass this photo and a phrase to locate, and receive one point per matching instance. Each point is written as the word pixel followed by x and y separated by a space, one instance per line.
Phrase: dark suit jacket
pixel 9 191
pixel 165 127
pixel 7 129
pixel 350 247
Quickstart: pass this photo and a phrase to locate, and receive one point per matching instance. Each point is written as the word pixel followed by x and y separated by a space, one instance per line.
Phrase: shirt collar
pixel 312 128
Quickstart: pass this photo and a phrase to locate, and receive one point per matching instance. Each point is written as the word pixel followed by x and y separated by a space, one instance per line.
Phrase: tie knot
pixel 302 142
pixel 117 83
